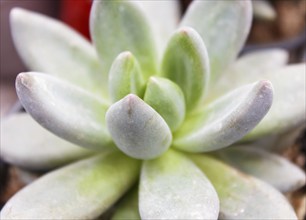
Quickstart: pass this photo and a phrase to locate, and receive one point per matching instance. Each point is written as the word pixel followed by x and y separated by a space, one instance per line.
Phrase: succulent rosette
pixel 150 112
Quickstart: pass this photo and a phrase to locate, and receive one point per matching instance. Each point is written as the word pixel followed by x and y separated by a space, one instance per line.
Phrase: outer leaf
pixel 95 183
pixel 186 63
pixel 249 68
pixel 125 77
pixel 167 99
pixel 226 120
pixel 185 191
pixel 164 17
pixel 137 129
pixel 118 26
pixel 46 45
pixel 35 148
pixel 128 207
pixel 289 107
pixel 242 196
pixel 280 141
pixel 64 109
pixel 269 167
pixel 223 25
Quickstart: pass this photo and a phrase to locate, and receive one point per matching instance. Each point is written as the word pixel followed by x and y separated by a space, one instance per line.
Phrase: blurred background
pixel 277 23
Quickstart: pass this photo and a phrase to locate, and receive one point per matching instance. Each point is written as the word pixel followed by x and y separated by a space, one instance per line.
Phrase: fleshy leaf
pixel 223 25
pixel 167 99
pixel 125 77
pixel 40 152
pixel 172 187
pixel 94 183
pixel 242 196
pixel 269 167
pixel 118 26
pixel 164 17
pixel 137 129
pixel 226 120
pixel 66 110
pixel 249 68
pixel 186 63
pixel 128 208
pixel 49 46
pixel 289 107
pixel 280 141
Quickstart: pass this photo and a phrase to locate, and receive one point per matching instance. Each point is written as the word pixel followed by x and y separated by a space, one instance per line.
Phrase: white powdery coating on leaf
pixel 137 129
pixel 226 120
pixel 172 187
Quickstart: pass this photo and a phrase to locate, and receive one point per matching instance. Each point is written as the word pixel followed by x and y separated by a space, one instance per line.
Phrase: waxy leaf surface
pixel 95 183
pixel 125 77
pixel 273 169
pixel 118 26
pixel 66 110
pixel 173 187
pixel 223 25
pixel 49 46
pixel 185 62
pixel 226 120
pixel 242 196
pixel 163 17
pixel 248 68
pixel 167 99
pixel 35 148
pixel 137 129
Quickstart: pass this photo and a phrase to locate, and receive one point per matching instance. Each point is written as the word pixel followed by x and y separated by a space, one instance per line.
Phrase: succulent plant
pixel 154 107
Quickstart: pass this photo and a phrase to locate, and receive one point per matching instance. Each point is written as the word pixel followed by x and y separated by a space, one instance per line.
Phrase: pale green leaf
pixel 226 120
pixel 127 209
pixel 248 68
pixel 278 142
pixel 273 169
pixel 125 77
pixel 118 26
pixel 223 25
pixel 49 46
pixel 186 63
pixel 137 129
pixel 164 17
pixel 289 105
pixel 26 144
pixel 167 99
pixel 242 196
pixel 172 187
pixel 66 110
pixel 81 190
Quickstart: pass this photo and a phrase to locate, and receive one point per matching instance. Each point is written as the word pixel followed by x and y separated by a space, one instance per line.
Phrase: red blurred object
pixel 75 13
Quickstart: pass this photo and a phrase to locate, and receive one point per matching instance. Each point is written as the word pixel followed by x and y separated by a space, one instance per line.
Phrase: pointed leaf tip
pixel 226 120
pixel 64 109
pixel 125 77
pixel 223 25
pixel 186 63
pixel 137 129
